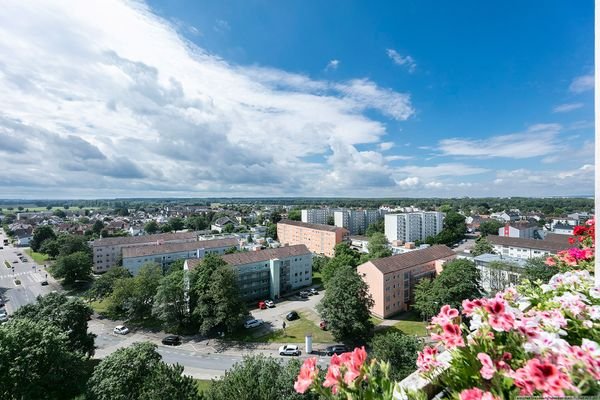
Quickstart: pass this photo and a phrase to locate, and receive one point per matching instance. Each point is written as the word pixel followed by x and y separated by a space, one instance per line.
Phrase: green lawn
pixel 410 323
pixel 317 279
pixel 202 385
pixel 294 332
pixel 100 306
pixel 39 258
pixel 376 321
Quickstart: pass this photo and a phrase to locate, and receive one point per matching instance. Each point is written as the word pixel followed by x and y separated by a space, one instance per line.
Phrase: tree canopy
pixel 170 305
pixel 134 297
pixel 345 306
pixel 399 350
pixel 482 246
pixel 537 269
pixel 459 280
pixel 490 227
pixel 73 267
pixel 41 234
pixel 453 230
pixel 104 285
pixel 137 372
pixel 377 226
pixel 343 256
pixel 151 227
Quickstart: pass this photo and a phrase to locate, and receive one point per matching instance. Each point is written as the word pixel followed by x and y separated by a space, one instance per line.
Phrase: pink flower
pixel 354 362
pixel 308 372
pixel 499 319
pixel 427 359
pixel 469 306
pixel 451 336
pixel 333 376
pixel 542 376
pixel 447 314
pixel 476 394
pixel 550 261
pixel 488 369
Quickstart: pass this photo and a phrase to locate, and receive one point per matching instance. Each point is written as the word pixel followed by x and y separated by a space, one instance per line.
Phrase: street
pixel 29 273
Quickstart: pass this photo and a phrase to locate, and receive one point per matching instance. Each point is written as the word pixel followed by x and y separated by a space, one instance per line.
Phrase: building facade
pixel 269 273
pixel 316 215
pixel 499 272
pixel 522 229
pixel 165 254
pixel 391 280
pixel 320 239
pixel 107 252
pixel 527 248
pixel 408 227
pixel 356 221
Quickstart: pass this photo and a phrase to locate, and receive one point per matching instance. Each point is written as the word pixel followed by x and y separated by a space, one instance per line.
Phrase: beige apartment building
pixel 320 239
pixel 108 251
pixel 392 280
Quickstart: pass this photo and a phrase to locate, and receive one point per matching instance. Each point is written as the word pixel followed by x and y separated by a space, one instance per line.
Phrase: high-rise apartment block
pixel 319 238
pixel 316 215
pixel 355 221
pixel 408 227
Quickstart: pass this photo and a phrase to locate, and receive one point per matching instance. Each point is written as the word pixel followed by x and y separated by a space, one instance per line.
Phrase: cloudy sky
pixel 306 98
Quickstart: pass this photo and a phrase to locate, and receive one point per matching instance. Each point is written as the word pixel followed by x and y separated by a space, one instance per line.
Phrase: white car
pixel 269 303
pixel 253 323
pixel 3 315
pixel 121 330
pixel 289 350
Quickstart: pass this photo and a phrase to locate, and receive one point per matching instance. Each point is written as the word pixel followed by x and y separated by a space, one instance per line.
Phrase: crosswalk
pixel 32 276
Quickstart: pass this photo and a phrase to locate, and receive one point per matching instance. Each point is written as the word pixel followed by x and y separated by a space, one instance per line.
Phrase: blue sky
pixel 309 98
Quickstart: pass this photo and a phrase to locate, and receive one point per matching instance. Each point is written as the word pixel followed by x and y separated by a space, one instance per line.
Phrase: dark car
pixel 172 340
pixel 336 349
pixel 303 294
pixel 44 283
pixel 292 315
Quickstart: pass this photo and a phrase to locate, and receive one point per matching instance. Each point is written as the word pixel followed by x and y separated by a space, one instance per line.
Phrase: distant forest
pixel 548 205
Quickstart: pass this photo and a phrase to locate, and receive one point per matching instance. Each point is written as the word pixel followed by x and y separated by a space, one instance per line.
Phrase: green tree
pixel 166 228
pixel 37 362
pixel 275 217
pixel 272 231
pixel 343 256
pixel 377 226
pixel 137 372
pixel 319 263
pixel 453 230
pixel 60 213
pixel 378 246
pixel 259 377
pixel 330 220
pixel 51 247
pixel 151 227
pixel 134 297
pixel 482 246
pixel 176 265
pixel 70 315
pixel 73 268
pixel 490 227
pixel 229 228
pixel 103 285
pixel 69 244
pixel 345 306
pixel 196 223
pixel 537 269
pixel 170 305
pixel 295 214
pixel 220 308
pixel 459 280
pixel 176 223
pixel 41 234
pixel 399 350
pixel 97 227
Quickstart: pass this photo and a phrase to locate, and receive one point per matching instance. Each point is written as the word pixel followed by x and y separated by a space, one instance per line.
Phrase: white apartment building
pixel 268 273
pixel 493 278
pixel 527 248
pixel 408 227
pixel 107 252
pixel 355 221
pixel 165 254
pixel 316 215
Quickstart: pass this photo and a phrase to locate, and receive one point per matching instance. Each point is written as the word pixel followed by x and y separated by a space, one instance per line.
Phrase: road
pixel 29 273
pixel 201 358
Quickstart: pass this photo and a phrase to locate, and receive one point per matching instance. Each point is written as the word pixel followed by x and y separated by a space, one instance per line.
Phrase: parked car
pixel 172 340
pixel 292 315
pixel 19 254
pixel 289 350
pixel 313 291
pixel 303 294
pixel 269 303
pixel 24 259
pixel 253 323
pixel 15 261
pixel 3 315
pixel 336 349
pixel 262 305
pixel 1 302
pixel 121 330
pixel 323 325
pixel 44 283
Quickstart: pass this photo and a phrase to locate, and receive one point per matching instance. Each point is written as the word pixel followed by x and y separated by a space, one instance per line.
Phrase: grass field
pixel 376 321
pixel 409 323
pixel 99 306
pixel 39 258
pixel 317 279
pixel 294 332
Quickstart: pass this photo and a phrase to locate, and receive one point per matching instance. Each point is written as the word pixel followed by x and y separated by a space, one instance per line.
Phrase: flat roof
pixel 165 237
pixel 250 257
pixel 141 251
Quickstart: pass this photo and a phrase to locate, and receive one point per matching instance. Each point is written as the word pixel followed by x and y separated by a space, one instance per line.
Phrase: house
pixel 505 217
pixel 391 280
pixel 23 239
pixel 562 229
pixel 318 238
pixel 269 273
pixel 520 229
pixel 360 243
pixel 221 223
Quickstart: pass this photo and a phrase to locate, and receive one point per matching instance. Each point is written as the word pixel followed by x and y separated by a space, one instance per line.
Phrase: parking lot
pixel 274 317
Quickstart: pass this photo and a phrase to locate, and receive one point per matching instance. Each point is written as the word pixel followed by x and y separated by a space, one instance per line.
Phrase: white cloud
pixel 384 146
pixel 332 65
pixel 116 81
pixel 434 184
pixel 582 84
pixel 445 169
pixel 537 140
pixel 398 158
pixel 561 108
pixel 409 182
pixel 406 61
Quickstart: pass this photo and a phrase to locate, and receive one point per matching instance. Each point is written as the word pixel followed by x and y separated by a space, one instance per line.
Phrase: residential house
pixel 519 229
pixel 221 223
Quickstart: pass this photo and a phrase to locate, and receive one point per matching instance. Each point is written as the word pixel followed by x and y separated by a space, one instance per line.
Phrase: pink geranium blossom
pixel 308 372
pixel 427 359
pixel 476 394
pixel 488 369
pixel 451 336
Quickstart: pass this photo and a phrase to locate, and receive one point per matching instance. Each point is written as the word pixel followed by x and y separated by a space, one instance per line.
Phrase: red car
pixel 323 325
pixel 262 305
